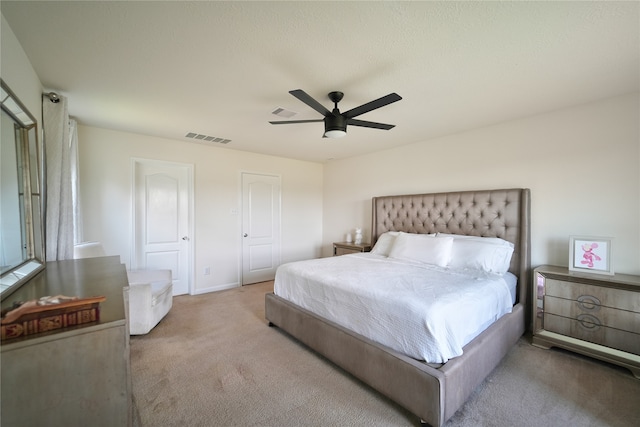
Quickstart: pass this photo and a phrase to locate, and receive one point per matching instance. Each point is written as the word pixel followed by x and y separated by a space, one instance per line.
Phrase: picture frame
pixel 590 254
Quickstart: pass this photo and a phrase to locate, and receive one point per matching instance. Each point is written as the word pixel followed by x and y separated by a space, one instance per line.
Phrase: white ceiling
pixel 221 68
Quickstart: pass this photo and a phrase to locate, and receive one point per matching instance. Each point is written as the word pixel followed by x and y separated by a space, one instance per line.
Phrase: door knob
pixel 185 238
pixel 245 235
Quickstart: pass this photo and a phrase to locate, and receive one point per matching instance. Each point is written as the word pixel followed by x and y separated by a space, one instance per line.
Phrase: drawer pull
pixel 588 302
pixel 589 322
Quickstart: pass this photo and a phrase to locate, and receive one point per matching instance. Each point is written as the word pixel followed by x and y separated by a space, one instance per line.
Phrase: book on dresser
pixel 595 315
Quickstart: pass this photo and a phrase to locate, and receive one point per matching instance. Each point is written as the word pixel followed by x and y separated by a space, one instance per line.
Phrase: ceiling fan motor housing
pixel 335 122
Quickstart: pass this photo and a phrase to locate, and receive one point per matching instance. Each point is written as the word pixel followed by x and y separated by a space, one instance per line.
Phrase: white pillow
pixel 384 243
pixel 423 248
pixel 495 240
pixel 476 254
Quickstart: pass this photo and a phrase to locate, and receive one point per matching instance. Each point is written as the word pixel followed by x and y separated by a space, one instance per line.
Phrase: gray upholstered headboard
pixel 486 213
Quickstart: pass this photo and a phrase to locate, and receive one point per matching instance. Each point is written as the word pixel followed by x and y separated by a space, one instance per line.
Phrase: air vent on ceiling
pixel 207 138
pixel 281 112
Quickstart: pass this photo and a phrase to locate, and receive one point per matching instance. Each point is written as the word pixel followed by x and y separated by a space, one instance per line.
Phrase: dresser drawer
pixel 345 251
pixel 587 330
pixel 605 316
pixel 590 295
pixel 344 248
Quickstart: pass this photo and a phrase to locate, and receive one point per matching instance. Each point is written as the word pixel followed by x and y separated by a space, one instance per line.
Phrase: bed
pixel 433 392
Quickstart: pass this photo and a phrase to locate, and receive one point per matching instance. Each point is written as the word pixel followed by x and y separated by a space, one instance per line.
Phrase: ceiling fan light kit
pixel 335 123
pixel 335 126
pixel 336 133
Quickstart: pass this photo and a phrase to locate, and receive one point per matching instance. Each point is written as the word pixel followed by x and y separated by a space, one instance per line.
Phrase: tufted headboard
pixel 485 213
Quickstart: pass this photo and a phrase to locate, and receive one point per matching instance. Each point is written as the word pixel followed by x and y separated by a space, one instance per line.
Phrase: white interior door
pixel 162 220
pixel 260 227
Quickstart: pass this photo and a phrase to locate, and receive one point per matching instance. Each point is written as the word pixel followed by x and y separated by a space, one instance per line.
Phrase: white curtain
pixel 75 181
pixel 60 146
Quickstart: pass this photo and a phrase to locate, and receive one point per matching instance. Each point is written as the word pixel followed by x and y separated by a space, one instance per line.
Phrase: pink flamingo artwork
pixel 588 257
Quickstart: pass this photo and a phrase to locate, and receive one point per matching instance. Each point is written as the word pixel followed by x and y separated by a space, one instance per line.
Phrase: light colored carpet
pixel 213 361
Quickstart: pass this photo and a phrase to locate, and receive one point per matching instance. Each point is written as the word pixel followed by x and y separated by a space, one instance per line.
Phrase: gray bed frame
pixel 432 393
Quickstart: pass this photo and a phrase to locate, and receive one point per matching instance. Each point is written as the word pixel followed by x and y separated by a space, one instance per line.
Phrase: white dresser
pixel 595 315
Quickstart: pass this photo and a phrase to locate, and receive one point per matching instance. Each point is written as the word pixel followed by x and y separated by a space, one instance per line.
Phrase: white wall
pixel 105 179
pixel 19 75
pixel 582 165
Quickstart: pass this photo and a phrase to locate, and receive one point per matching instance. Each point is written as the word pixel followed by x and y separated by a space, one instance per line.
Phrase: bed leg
pixel 271 325
pixel 423 423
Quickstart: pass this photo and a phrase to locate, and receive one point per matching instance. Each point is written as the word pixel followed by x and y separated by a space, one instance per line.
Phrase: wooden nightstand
pixel 595 315
pixel 343 248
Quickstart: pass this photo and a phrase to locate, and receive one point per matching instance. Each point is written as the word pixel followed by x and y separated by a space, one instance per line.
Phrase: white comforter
pixel 426 312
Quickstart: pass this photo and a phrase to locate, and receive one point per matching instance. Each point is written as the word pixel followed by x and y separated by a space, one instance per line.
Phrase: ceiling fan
pixel 335 122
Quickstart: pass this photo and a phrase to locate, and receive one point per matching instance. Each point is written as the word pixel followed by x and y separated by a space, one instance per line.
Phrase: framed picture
pixel 590 254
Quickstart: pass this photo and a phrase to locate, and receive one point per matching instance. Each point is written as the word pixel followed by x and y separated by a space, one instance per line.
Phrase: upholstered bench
pixel 150 296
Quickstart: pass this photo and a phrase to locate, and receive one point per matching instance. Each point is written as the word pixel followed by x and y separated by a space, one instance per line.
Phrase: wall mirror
pixel 21 216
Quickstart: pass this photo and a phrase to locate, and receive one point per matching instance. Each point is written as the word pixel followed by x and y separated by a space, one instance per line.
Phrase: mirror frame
pixel 30 155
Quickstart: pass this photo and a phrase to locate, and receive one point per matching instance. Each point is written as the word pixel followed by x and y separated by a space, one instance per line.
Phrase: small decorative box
pixel 50 314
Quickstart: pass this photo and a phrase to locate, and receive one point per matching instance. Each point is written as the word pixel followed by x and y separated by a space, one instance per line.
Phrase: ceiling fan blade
pixel 366 124
pixel 288 122
pixel 365 108
pixel 307 99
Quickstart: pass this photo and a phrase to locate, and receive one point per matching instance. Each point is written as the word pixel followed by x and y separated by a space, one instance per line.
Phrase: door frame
pixel 189 167
pixel 241 173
